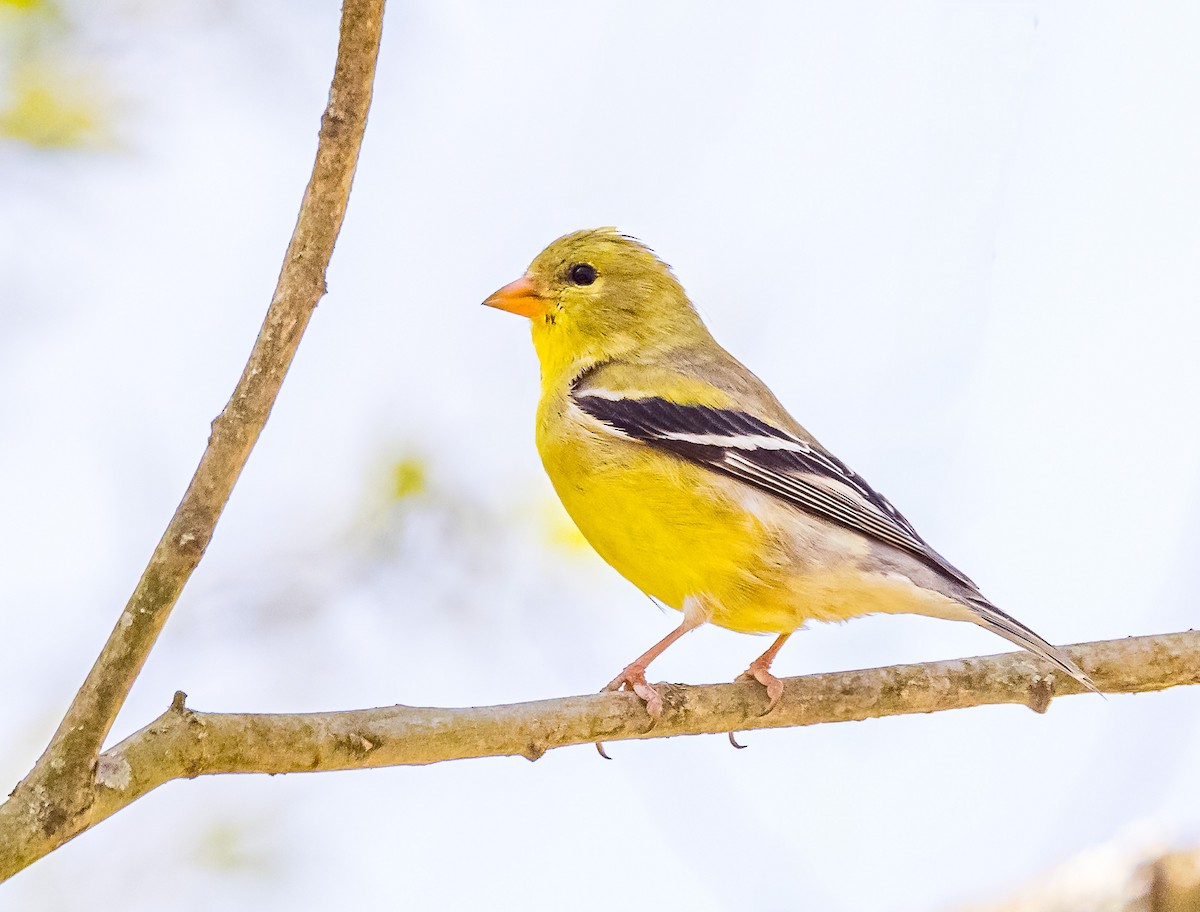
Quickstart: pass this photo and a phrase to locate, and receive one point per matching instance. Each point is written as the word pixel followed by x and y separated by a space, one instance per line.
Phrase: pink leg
pixel 760 671
pixel 633 677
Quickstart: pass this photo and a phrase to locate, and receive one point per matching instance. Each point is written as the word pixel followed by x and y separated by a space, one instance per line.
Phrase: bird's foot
pixel 762 674
pixel 634 678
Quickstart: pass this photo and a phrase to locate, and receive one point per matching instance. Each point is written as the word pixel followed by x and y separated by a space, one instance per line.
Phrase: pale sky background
pixel 959 240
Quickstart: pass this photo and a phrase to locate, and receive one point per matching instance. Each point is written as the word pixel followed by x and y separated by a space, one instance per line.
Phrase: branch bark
pixel 61 785
pixel 183 744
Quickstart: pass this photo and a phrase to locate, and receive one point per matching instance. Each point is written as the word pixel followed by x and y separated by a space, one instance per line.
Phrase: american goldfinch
pixel 686 474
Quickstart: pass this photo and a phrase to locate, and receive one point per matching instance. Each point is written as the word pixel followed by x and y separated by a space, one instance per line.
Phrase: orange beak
pixel 519 297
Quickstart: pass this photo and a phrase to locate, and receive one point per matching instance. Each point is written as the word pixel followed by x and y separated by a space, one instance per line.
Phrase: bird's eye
pixel 582 274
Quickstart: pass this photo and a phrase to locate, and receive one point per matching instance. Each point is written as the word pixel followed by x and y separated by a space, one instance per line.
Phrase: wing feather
pixel 741 446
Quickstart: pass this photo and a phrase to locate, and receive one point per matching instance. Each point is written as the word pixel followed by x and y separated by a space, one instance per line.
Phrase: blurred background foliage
pixel 52 95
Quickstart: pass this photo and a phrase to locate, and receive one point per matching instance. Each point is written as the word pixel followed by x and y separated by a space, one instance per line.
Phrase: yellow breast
pixel 676 530
pixel 671 528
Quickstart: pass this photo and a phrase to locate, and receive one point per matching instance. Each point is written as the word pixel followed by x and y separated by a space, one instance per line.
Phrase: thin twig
pixel 183 744
pixel 61 785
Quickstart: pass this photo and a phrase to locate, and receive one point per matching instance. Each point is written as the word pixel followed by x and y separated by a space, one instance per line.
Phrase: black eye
pixel 582 274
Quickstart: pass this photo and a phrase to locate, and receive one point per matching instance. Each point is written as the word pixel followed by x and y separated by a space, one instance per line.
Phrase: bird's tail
pixel 989 616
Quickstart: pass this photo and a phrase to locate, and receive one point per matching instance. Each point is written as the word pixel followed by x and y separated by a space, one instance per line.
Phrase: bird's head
pixel 596 296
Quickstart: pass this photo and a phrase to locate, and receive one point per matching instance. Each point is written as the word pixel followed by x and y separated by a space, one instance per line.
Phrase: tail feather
pixel 995 620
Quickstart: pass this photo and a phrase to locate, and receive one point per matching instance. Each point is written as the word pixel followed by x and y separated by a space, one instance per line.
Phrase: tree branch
pixel 61 785
pixel 183 744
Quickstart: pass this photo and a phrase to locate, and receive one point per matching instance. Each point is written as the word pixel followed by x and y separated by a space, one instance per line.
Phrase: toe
pixel 654 704
pixel 774 691
pixel 634 679
pixel 773 685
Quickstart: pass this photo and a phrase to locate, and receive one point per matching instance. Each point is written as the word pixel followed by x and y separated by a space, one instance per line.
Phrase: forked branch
pixel 48 805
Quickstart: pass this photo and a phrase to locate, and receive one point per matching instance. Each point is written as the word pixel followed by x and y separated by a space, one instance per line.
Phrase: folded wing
pixel 801 473
pixel 741 446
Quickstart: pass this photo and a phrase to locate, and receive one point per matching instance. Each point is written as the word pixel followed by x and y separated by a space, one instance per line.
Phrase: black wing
pixel 741 446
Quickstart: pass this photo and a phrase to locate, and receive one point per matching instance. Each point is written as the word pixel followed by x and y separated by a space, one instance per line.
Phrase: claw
pixel 634 678
pixel 733 741
pixel 764 677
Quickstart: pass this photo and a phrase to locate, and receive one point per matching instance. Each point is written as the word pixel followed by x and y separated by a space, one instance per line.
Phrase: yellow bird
pixel 686 474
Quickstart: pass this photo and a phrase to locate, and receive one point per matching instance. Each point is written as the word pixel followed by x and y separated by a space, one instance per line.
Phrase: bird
pixel 686 474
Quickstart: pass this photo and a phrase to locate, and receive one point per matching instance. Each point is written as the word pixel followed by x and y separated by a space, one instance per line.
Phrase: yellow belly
pixel 663 525
pixel 676 531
